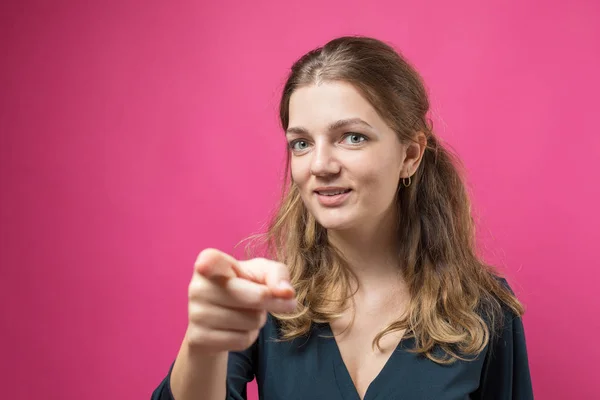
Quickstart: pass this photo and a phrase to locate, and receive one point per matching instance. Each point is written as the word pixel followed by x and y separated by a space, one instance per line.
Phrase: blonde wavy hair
pixel 457 301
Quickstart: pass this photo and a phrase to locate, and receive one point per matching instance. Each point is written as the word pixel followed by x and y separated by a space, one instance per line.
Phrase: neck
pixel 371 252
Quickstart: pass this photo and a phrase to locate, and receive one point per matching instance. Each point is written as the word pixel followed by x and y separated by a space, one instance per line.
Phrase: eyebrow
pixel 342 123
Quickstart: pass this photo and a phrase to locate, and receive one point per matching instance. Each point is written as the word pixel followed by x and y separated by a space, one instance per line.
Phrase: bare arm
pixel 197 375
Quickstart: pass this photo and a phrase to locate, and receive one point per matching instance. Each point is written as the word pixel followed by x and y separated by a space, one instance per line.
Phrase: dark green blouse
pixel 312 368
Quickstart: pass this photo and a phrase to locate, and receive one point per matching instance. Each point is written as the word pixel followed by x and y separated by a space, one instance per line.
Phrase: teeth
pixel 333 193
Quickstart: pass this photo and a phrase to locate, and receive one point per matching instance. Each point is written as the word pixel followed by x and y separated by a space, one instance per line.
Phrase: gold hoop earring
pixel 404 181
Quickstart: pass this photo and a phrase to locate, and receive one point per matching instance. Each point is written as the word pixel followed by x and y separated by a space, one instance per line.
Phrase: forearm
pixel 198 376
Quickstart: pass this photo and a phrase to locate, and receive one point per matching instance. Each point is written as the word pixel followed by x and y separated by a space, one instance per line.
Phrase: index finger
pixel 213 263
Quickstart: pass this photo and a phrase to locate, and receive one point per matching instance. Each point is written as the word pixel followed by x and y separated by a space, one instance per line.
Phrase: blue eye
pixel 299 145
pixel 354 138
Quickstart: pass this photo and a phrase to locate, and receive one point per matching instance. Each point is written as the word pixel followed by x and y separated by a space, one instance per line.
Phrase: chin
pixel 335 222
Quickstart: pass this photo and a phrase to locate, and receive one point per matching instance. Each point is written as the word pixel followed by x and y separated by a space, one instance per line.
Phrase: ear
pixel 414 154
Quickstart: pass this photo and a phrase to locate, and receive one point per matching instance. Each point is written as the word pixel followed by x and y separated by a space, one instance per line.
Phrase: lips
pixel 332 196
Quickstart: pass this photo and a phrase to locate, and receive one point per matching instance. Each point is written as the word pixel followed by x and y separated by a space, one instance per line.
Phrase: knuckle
pixel 197 313
pixel 193 285
pixel 191 292
pixel 196 289
pixel 197 335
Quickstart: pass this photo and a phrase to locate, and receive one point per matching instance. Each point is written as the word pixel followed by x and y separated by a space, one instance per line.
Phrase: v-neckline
pixel 342 374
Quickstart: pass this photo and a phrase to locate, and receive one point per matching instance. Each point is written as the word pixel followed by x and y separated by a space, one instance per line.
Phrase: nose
pixel 323 162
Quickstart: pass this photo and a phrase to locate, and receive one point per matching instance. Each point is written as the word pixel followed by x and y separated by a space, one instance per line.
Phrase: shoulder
pixel 504 283
pixel 509 310
pixel 499 306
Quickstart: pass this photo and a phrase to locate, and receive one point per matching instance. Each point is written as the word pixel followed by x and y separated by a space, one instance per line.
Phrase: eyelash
pixel 346 135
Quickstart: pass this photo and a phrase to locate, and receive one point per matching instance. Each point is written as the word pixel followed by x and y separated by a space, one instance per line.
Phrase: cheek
pixel 380 184
pixel 298 172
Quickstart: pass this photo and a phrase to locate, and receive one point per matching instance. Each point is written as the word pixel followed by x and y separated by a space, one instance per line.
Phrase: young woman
pixel 373 288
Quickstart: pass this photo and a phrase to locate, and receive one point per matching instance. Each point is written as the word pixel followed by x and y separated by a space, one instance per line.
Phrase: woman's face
pixel 346 161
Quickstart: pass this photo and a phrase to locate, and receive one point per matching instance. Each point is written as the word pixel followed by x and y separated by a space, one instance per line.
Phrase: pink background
pixel 135 133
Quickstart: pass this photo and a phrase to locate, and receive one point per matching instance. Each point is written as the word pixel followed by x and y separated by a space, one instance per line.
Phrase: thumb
pixel 271 273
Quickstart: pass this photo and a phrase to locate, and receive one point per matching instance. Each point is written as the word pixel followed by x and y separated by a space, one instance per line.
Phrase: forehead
pixel 316 106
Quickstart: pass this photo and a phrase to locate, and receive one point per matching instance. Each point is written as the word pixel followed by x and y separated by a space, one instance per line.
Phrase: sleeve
pixel 505 374
pixel 240 371
pixel 241 367
pixel 163 391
